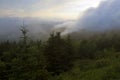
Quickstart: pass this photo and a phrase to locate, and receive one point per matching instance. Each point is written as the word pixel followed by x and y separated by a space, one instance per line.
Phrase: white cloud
pixel 65 27
pixel 106 16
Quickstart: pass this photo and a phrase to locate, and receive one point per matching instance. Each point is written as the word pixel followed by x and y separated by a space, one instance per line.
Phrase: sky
pixel 65 9
pixel 66 16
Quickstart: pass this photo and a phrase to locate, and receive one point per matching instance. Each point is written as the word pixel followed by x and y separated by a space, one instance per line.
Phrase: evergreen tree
pixel 24 37
pixel 57 52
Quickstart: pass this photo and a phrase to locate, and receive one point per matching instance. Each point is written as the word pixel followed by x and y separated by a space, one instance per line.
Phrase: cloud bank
pixel 106 16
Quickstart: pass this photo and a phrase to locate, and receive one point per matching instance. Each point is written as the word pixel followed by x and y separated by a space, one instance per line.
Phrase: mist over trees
pixel 38 28
pixel 61 57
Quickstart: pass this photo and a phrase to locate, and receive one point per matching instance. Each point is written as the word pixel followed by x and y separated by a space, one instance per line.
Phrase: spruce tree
pixel 57 54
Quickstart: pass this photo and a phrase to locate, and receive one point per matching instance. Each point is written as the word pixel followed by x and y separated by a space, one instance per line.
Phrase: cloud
pixel 65 27
pixel 65 9
pixel 106 16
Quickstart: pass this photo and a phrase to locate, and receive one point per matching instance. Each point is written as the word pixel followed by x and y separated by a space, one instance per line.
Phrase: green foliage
pixel 100 69
pixel 58 53
pixel 58 58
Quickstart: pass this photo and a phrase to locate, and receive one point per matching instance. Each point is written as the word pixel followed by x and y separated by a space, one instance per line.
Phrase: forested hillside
pixel 61 58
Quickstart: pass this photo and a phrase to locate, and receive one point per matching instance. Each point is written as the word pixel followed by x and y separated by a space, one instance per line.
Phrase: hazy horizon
pixel 41 16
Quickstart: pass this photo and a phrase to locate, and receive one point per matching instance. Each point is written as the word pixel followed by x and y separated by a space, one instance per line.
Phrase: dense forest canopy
pixel 96 57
